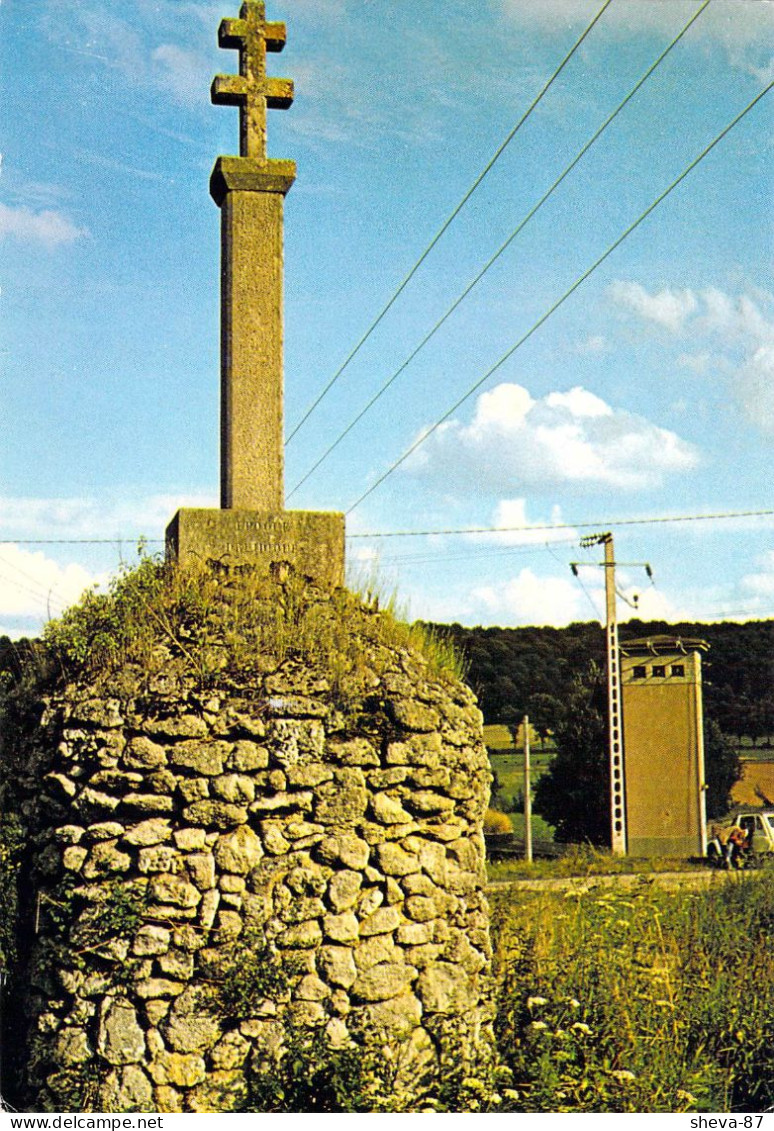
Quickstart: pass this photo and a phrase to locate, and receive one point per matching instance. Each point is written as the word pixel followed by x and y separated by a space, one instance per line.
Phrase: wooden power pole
pixel 527 796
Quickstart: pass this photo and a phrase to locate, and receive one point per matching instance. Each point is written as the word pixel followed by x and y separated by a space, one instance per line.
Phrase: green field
pixel 507 764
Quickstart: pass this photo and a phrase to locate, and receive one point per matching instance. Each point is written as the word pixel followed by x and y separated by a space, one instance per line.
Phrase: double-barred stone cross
pixel 250 191
pixel 252 525
pixel 252 90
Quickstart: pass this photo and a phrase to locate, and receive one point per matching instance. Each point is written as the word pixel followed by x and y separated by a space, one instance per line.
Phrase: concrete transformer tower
pixel 664 746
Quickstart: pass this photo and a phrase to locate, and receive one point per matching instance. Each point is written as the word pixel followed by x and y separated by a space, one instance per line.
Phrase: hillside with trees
pixel 517 671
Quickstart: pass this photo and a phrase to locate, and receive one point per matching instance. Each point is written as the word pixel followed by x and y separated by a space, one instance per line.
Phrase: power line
pixel 716 516
pixel 481 552
pixel 544 318
pixel 602 523
pixel 40 595
pixel 116 543
pixel 503 247
pixel 445 226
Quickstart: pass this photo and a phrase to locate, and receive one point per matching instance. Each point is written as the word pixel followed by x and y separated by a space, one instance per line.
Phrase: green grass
pixel 582 861
pixel 641 1000
pixel 209 620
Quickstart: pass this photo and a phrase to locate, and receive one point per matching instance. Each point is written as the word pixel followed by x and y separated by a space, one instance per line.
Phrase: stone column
pixel 250 195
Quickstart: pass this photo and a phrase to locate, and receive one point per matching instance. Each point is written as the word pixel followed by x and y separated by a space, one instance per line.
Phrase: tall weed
pixel 646 1001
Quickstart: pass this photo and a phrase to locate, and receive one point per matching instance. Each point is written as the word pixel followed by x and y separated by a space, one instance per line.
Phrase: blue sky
pixel 648 393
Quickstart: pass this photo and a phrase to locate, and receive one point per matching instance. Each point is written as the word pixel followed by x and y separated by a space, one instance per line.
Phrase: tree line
pixel 518 671
pixel 556 676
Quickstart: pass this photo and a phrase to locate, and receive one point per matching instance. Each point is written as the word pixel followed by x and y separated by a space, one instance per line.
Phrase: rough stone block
pixel 341 928
pixel 151 940
pixel 381 921
pixel 150 832
pixel 120 1039
pixel 343 889
pixel 388 811
pixel 383 981
pixel 204 757
pixel 238 852
pixel 215 814
pixel 337 965
pixel 444 988
pixel 246 756
pixel 142 754
pixel 312 543
pixel 395 861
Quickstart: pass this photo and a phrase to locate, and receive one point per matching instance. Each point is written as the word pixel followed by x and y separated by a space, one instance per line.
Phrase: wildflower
pixel 581 1027
pixel 538 1025
pixel 534 1001
pixel 685 1097
pixel 511 1094
pixel 664 1003
pixel 622 923
pixel 572 1002
pixel 623 1075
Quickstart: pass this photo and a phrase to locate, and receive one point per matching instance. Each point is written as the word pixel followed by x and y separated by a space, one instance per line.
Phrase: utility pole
pixel 615 719
pixel 527 796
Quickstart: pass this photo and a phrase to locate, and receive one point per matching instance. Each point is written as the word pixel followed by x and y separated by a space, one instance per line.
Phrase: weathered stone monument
pixel 252 526
pixel 249 803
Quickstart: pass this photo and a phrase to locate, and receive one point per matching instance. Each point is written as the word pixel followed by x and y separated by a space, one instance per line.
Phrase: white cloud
pixel 530 599
pixel 34 588
pixel 122 518
pixel 755 388
pixel 761 583
pixel 564 439
pixel 150 43
pixel 742 28
pixel 740 317
pixel 747 317
pixel 696 362
pixel 733 335
pixel 186 74
pixel 514 528
pixel 668 308
pixel 594 344
pixel 48 227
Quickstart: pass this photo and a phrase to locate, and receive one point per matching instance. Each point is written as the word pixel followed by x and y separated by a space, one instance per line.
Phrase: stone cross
pixel 249 191
pixel 252 90
pixel 252 526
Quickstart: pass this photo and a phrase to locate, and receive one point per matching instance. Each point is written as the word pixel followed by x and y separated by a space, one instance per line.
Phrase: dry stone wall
pixel 190 844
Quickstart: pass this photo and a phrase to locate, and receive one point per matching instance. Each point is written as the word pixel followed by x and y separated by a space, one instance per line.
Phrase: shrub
pixel 496 822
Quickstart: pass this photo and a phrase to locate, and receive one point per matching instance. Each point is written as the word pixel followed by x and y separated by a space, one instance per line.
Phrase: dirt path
pixel 582 884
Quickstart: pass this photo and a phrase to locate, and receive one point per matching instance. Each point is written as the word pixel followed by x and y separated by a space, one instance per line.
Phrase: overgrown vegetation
pixel 11 848
pixel 253 973
pixel 370 1073
pixel 608 1000
pixel 94 932
pixel 218 621
pixel 640 1000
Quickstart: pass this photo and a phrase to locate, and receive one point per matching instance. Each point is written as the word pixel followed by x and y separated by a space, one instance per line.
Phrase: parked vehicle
pixel 758 830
